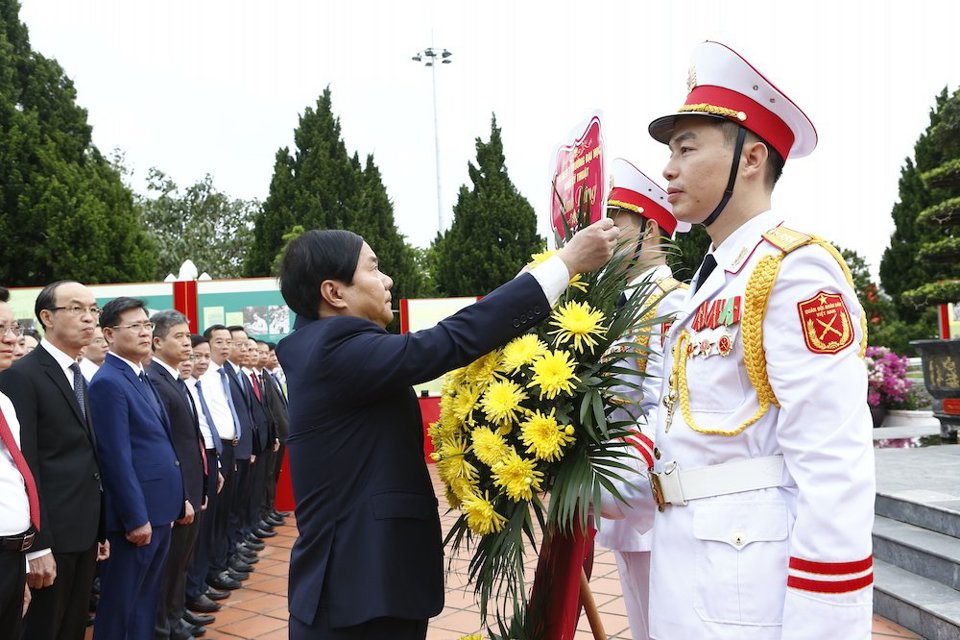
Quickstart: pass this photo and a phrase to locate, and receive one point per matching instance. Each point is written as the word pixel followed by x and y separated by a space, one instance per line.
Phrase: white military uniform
pixel 792 560
pixel 618 529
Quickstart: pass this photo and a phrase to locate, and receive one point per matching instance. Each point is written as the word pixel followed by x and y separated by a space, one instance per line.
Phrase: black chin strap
pixel 738 149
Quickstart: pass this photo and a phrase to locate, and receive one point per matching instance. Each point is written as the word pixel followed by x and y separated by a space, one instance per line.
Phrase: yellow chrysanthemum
pixel 472 636
pixel 521 351
pixel 553 373
pixel 501 402
pixel 453 380
pixel 483 371
pixel 539 258
pixel 482 518
pixel 453 500
pixel 517 476
pixel 578 323
pixel 464 403
pixel 544 436
pixel 453 461
pixel 489 446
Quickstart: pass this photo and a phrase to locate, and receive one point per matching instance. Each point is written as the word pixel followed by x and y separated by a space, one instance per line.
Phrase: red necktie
pixel 21 463
pixel 256 387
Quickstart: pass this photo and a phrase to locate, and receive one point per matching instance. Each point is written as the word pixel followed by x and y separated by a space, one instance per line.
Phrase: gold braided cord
pixel 751 330
pixel 846 272
pixel 713 110
pixel 644 340
pixel 624 205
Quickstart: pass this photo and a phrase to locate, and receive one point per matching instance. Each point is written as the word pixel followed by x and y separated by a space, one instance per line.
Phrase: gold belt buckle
pixel 657 490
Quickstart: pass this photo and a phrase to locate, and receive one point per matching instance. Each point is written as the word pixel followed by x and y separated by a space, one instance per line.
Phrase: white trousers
pixel 634 568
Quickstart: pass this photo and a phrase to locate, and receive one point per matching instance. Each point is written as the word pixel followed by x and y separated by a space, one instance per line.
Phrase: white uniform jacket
pixel 786 562
pixel 625 526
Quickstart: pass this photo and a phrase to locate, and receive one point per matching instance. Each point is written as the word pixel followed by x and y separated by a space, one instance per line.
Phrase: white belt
pixel 677 487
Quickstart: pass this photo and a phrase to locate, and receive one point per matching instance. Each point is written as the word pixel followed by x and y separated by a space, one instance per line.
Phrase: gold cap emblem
pixel 691 78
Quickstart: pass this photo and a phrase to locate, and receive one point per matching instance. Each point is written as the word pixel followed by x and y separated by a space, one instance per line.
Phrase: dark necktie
pixel 150 390
pixel 6 436
pixel 182 386
pixel 709 264
pixel 79 388
pixel 217 443
pixel 233 408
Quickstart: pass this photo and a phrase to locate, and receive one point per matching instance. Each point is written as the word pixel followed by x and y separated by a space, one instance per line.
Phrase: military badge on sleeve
pixel 826 323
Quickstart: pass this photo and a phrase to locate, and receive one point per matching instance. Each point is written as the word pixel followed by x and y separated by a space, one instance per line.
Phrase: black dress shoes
pixel 197 619
pixel 273 520
pixel 237 575
pixel 223 581
pixel 239 565
pixel 203 604
pixel 252 542
pixel 216 594
pixel 260 533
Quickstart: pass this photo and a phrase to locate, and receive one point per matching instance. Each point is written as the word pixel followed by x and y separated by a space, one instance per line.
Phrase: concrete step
pixel 930 554
pixel 932 510
pixel 924 606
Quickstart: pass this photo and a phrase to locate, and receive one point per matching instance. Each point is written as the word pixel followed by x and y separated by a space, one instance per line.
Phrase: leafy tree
pixel 62 205
pixel 900 268
pixel 687 254
pixel 199 223
pixel 494 230
pixel 320 186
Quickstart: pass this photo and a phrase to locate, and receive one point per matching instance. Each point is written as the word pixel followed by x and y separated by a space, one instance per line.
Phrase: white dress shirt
pixel 204 425
pixel 215 395
pixel 14 505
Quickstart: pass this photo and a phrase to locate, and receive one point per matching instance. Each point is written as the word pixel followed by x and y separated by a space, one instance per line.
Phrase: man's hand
pixel 253 459
pixel 188 513
pixel 26 600
pixel 103 550
pixel 220 482
pixel 140 536
pixel 43 571
pixel 590 248
pixel 203 507
pixel 276 444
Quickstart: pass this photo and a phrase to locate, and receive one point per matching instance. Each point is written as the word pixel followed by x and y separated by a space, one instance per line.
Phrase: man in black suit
pixel 369 560
pixel 58 441
pixel 264 414
pixel 277 402
pixel 171 347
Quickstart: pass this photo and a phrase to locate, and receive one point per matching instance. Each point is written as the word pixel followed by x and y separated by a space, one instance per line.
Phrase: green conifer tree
pixel 494 230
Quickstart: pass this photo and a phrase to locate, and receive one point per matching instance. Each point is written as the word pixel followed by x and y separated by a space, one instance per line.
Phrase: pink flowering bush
pixel 887 383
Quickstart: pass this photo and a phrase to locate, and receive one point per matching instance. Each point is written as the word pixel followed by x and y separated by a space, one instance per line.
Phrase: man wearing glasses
pixel 58 441
pixel 142 477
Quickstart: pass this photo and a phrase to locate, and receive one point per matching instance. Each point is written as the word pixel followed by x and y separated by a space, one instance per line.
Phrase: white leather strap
pixel 678 486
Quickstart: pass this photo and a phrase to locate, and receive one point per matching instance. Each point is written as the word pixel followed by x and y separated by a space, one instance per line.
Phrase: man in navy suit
pixel 143 488
pixel 171 348
pixel 369 560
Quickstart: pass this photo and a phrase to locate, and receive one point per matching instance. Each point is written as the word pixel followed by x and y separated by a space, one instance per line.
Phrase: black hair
pixel 775 161
pixel 110 315
pixel 271 345
pixel 235 327
pixel 315 256
pixel 4 294
pixel 196 339
pixel 33 333
pixel 214 327
pixel 163 321
pixel 47 299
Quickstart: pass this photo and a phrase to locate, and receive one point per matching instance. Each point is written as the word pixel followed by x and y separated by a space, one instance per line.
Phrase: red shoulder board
pixel 826 323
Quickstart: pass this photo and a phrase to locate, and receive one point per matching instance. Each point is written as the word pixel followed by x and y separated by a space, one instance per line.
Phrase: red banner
pixel 578 176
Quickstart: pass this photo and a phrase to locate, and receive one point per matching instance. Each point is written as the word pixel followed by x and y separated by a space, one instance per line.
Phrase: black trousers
pixel 261 473
pixel 13 575
pixel 220 540
pixel 376 629
pixel 59 612
pixel 183 538
pixel 200 563
pixel 239 522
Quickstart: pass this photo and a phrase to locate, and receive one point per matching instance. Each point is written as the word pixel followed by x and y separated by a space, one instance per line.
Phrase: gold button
pixel 656 453
pixel 738 538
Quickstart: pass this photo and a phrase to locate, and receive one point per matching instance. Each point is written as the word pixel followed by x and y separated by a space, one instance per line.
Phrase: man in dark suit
pixel 143 487
pixel 277 402
pixel 264 413
pixel 369 560
pixel 58 442
pixel 172 347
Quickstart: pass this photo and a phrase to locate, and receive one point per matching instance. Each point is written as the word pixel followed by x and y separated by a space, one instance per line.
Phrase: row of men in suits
pixel 122 469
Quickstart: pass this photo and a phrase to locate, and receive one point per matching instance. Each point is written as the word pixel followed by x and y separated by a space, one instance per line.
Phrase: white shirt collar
pixel 62 359
pixel 173 372
pixel 136 366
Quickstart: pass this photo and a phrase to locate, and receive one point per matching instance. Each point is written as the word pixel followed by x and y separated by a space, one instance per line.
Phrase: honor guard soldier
pixel 639 208
pixel 765 478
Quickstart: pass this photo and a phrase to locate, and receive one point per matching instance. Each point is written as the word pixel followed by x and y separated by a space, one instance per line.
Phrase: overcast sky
pixel 216 86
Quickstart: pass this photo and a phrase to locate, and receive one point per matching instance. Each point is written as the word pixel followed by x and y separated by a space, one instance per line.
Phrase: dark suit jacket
pixel 60 447
pixel 277 403
pixel 370 541
pixel 185 429
pixel 262 418
pixel 141 473
pixel 249 438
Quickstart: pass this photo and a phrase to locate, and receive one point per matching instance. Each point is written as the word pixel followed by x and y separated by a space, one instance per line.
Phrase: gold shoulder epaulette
pixel 670 283
pixel 786 239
